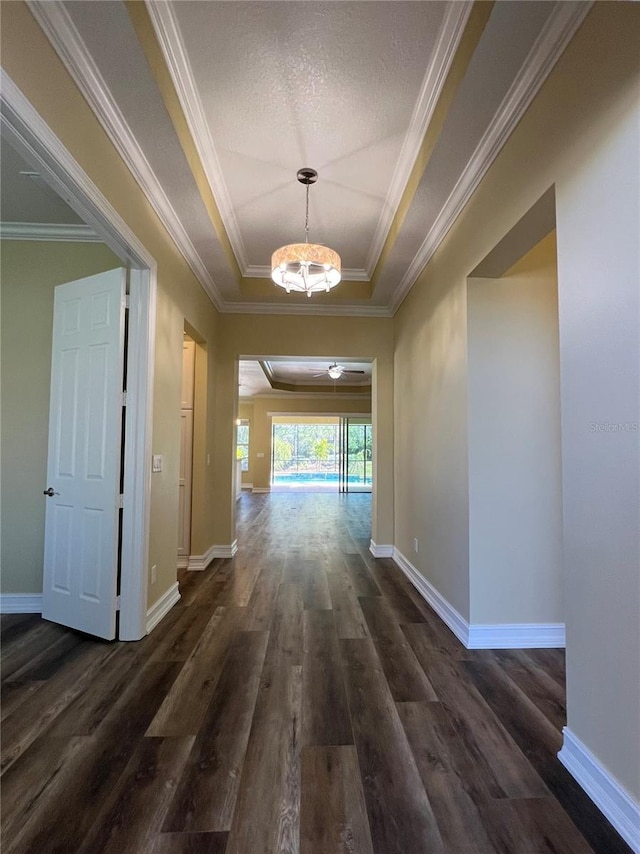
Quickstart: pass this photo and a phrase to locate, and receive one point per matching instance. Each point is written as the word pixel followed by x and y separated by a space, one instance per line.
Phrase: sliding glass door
pixel 355 467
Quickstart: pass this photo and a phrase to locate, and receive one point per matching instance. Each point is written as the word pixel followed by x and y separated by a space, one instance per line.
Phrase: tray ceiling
pixel 400 106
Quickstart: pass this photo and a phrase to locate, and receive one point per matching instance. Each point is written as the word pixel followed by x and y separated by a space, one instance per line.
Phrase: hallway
pixel 300 698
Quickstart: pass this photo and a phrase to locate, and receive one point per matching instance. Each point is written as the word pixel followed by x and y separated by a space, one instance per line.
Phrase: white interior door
pixel 184 494
pixel 186 452
pixel 84 459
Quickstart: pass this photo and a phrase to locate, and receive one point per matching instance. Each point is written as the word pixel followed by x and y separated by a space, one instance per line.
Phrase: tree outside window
pixel 242 445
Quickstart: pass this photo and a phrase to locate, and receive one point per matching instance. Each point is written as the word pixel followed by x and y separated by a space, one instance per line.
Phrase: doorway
pixel 29 135
pixel 185 482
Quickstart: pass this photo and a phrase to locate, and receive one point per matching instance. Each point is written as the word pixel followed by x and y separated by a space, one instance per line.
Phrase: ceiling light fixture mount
pixel 306 267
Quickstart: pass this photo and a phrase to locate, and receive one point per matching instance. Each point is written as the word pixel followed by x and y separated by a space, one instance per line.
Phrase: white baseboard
pixel 162 607
pixel 226 551
pixel 479 636
pixel 517 636
pixel 256 490
pixel 444 609
pixel 199 562
pixel 608 795
pixel 247 486
pixel 380 551
pixel 183 561
pixel 20 603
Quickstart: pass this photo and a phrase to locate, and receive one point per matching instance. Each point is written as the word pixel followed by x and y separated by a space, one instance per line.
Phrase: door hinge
pixel 125 301
pixel 120 502
pixel 117 603
pixel 124 398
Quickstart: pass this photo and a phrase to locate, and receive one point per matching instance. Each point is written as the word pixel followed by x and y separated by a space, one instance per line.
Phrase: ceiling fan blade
pixel 353 372
pixel 323 374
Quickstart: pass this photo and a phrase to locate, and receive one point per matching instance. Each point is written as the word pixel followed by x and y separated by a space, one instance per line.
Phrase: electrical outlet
pixel 415 545
pixel 154 573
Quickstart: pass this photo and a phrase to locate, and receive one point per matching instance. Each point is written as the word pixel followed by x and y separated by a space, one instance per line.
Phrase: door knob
pixel 50 492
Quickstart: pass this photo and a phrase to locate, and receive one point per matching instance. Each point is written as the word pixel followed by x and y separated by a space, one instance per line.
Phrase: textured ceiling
pixel 303 96
pixel 282 376
pixel 25 200
pixel 400 106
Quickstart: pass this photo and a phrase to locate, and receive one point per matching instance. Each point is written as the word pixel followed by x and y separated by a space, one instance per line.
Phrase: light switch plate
pixel 157 462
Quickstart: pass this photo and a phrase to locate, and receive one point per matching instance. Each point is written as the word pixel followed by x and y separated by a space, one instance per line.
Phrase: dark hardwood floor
pixel 300 698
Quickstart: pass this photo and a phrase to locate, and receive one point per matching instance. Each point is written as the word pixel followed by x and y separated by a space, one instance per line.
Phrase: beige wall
pixel 257 413
pixel 29 272
pixel 515 490
pixel 34 67
pixel 581 134
pixel 286 335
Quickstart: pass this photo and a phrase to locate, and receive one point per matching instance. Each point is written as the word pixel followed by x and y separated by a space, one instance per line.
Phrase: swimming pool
pixel 301 477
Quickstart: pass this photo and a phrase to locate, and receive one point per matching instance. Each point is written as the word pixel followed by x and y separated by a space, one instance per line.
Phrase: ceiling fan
pixel 335 371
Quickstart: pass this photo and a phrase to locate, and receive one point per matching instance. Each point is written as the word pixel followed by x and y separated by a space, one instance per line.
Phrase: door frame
pixel 27 131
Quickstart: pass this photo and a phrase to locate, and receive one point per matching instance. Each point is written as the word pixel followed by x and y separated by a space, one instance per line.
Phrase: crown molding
pixel 547 49
pixel 297 308
pixel 72 233
pixel 445 49
pixel 336 414
pixel 33 137
pixel 349 274
pixel 68 44
pixel 174 51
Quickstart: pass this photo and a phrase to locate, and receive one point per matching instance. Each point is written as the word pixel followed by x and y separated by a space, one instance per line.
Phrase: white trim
pixel 482 636
pixel 306 308
pixel 45 231
pixel 349 274
pixel 20 603
pixel 226 551
pixel 441 58
pixel 182 562
pixel 380 550
pixel 68 44
pixel 517 636
pixel 198 563
pixel 175 56
pixel 314 394
pixel 137 470
pixel 258 490
pixel 547 49
pixel 37 143
pixel 44 151
pixel 161 608
pixel 248 486
pixel 612 799
pixel 444 609
pixel 281 414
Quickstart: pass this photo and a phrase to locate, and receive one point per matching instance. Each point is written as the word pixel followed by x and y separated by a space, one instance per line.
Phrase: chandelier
pixel 306 267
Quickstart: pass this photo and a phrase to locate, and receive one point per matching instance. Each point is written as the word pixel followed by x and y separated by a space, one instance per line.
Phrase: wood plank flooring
pixel 300 699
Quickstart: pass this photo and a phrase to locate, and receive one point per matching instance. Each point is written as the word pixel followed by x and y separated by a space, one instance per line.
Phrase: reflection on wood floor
pixel 300 698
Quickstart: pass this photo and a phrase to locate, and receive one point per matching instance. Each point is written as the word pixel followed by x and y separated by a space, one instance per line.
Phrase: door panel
pixel 184 488
pixel 85 423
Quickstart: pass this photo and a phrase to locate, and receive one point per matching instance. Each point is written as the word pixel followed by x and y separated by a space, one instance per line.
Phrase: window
pixel 242 442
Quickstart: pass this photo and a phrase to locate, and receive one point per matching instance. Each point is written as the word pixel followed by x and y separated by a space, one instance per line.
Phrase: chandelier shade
pixel 306 267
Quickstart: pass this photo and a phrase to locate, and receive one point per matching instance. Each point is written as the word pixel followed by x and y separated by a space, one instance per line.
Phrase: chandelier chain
pixel 306 219
pixel 305 267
